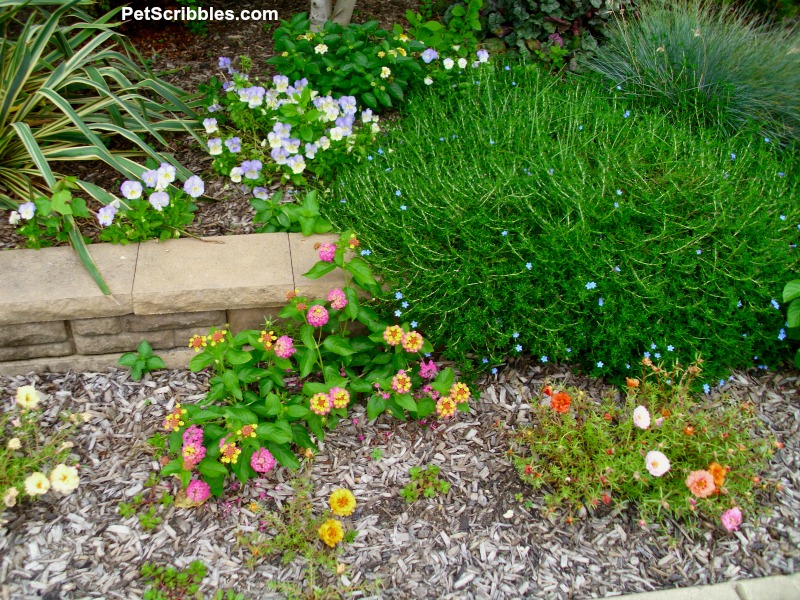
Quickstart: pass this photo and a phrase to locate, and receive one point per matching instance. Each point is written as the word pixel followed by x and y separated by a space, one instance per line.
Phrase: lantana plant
pixel 660 449
pixel 273 389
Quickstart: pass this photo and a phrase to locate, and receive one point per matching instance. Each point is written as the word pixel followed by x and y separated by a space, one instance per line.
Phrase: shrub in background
pixel 722 67
pixel 459 30
pixel 529 214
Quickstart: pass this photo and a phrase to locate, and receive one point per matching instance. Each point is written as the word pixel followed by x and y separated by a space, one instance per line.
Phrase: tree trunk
pixel 320 12
pixel 343 12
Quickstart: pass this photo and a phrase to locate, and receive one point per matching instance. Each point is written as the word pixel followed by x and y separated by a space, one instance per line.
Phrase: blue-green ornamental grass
pixel 528 214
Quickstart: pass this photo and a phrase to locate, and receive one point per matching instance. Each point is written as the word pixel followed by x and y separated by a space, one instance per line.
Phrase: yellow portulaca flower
pixel 37 484
pixel 10 497
pixel 64 479
pixel 27 397
pixel 331 532
pixel 342 502
pixel 14 444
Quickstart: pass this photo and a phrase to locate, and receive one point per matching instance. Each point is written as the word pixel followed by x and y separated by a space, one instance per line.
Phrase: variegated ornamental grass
pixel 71 83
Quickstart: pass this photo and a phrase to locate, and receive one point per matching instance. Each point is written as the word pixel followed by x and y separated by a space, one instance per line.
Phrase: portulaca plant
pixel 281 132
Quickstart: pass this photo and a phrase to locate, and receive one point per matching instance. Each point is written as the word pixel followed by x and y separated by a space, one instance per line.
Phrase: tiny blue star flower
pixel 616 204
pixel 580 127
pixel 706 388
pixel 485 361
pixel 601 302
pixel 369 157
pixel 627 365
pixel 551 171
pixel 404 304
pixel 388 169
pixel 657 354
pixel 413 324
pixel 619 87
pixel 513 83
pixel 767 140
pixel 403 207
pixel 721 382
pixel 744 335
pixel 494 370
pixel 491 142
pixel 454 136
pixel 529 266
pixel 591 285
pixel 569 350
pixel 669 381
pixel 515 335
pixel 626 114
pixel 397 313
pixel 725 175
pixel 398 295
pixel 775 304
pixel 733 156
pixel 781 174
pixel 380 150
pixel 504 233
pixel 699 252
pixel 782 335
pixel 617 269
pixel 366 252
pixel 783 217
pixel 600 364
pixel 518 348
pixel 508 68
pixel 441 139
pixel 427 355
pixel 647 355
pixel 543 359
pixel 739 304
pixel 619 192
pixel 670 348
pixel 653 346
pixel 763 367
pixel 342 201
pixel 397 193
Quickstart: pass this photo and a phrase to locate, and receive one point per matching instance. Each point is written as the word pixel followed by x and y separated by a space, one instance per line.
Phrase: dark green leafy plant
pixel 47 223
pixel 791 296
pixel 459 31
pixel 365 61
pixel 72 84
pixel 142 361
pixel 424 483
pixel 274 215
pixel 169 583
pixel 721 67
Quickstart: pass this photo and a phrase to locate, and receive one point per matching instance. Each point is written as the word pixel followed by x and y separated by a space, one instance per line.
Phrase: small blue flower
pixel 619 87
pixel 529 266
pixel 513 83
pixel 781 174
pixel 404 304
pixel 397 313
pixel 783 217
pixel 485 361
pixel 763 367
pixel 706 388
pixel 775 304
pixel 616 204
pixel 627 365
pixel 380 150
pixel 619 192
pixel 725 175
pixel 398 193
pixel 782 335
pixel 494 370
pixel 744 335
pixel 388 169
pixel 626 114
pixel 580 127
pixel 739 304
pixel 733 156
pixel 601 302
pixel 398 295
pixel 454 136
pixel 504 233
pixel 515 335
pixel 551 171
pixel 591 285
pixel 427 355
pixel 366 252
pixel 670 348
pixel 491 142
pixel 617 269
pixel 669 381
pixel 657 355
pixel 653 346
pixel 508 68
pixel 518 348
pixel 403 207
pixel 600 364
pixel 767 140
pixel 647 355
pixel 543 359
pixel 342 201
pixel 369 157
pixel 441 139
pixel 721 382
pixel 699 252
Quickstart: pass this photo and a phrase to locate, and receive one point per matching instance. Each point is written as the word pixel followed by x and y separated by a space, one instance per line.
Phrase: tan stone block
pixel 122 342
pixel 251 318
pixel 101 326
pixel 176 358
pixel 36 351
pixel 238 271
pixel 27 334
pixel 52 284
pixel 202 319
pixel 775 588
pixel 304 257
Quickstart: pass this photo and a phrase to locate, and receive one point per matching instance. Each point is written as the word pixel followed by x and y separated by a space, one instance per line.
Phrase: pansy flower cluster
pixel 444 69
pixel 285 131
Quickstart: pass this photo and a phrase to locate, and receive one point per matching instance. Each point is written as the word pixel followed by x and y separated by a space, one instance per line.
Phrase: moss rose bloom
pixel 560 402
pixel 64 479
pixel 342 502
pixel 732 518
pixel 331 532
pixel 657 463
pixel 718 472
pixel 317 315
pixel 700 483
pixel 36 484
pixel 27 397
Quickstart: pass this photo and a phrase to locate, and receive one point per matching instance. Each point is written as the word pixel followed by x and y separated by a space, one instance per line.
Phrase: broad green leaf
pixel 425 406
pixel 319 269
pixel 295 411
pixel 241 413
pixel 791 291
pixel 211 468
pixel 375 406
pixel 283 455
pixel 793 313
pixel 237 357
pixel 406 401
pixel 279 432
pixel 338 345
pixel 200 361
pixel 144 349
pixel 128 359
pixel 231 382
pixel 307 337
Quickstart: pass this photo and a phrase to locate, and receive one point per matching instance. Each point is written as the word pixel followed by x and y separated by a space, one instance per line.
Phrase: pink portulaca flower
pixel 284 347
pixel 317 315
pixel 657 463
pixel 732 518
pixel 262 461
pixel 327 251
pixel 198 491
pixel 641 417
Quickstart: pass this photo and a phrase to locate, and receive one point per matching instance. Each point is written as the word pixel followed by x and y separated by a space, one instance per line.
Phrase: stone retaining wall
pixel 54 317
